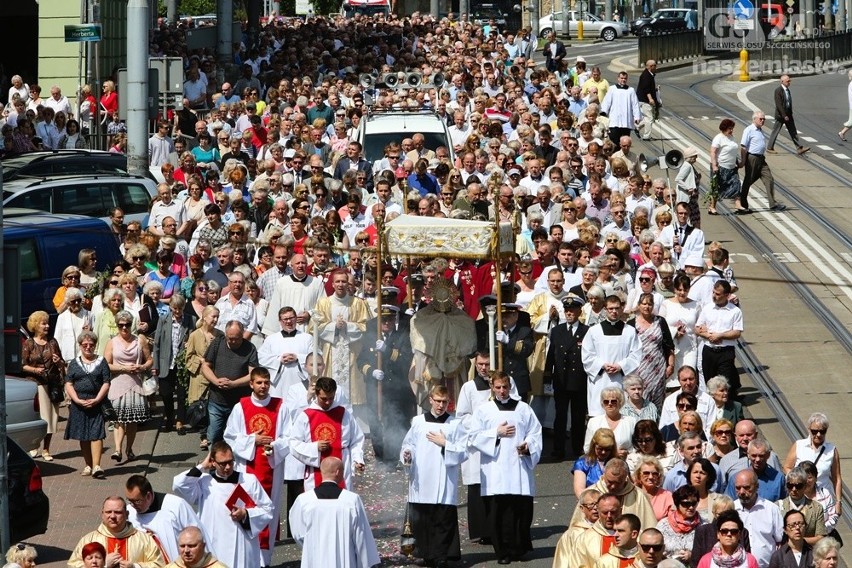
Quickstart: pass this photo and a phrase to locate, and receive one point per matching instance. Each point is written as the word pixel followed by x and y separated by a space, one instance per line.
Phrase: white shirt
pixel 765 528
pixel 721 319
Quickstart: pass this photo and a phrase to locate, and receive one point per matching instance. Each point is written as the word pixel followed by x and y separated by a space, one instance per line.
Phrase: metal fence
pixel 671 47
pixel 827 47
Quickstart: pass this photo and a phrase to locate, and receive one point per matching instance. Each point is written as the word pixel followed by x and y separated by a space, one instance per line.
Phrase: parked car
pixel 90 195
pixel 63 162
pixel 666 20
pixel 23 422
pixel 29 506
pixel 47 244
pixel 593 26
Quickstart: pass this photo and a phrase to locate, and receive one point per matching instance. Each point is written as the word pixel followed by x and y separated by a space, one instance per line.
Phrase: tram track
pixel 768 390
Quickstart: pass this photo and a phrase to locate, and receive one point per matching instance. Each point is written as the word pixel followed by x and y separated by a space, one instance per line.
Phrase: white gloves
pixel 380 345
pixel 409 312
pixel 379 375
pixel 502 337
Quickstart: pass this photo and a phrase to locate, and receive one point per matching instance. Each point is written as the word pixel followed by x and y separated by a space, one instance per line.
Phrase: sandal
pixel 712 212
pixel 840 134
pixel 86 471
pixel 205 445
pixel 116 456
pixel 45 455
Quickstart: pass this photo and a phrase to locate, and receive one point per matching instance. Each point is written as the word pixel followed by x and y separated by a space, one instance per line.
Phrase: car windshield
pixel 374 143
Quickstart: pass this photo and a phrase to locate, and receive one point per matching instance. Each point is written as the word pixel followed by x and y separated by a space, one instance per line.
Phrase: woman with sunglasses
pixel 137 255
pixel 612 399
pixel 525 283
pixel 128 356
pixel 728 552
pixel 648 476
pixel 570 227
pixel 679 526
pixel 42 363
pixel 824 455
pixel 70 279
pixel 193 205
pixel 648 441
pixel 589 468
pixel 721 440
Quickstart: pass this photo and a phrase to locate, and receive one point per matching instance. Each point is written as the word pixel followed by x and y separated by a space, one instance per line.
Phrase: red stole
pixel 153 535
pixel 117 545
pixel 625 562
pixel 607 542
pixel 261 420
pixel 327 426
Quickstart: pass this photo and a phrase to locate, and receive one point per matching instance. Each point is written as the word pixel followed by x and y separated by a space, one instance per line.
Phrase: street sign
pixel 82 32
pixel 743 10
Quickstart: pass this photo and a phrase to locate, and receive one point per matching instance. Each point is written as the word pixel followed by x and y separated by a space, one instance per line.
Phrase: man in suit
pixel 518 345
pixel 554 52
pixel 784 117
pixel 354 161
pixel 566 377
pixel 549 209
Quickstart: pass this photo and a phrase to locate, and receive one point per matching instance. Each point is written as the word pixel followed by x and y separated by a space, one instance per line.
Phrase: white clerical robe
pixel 297 401
pixel 229 541
pixel 305 449
pixel 333 532
pixel 600 349
pixel 503 471
pixel 472 395
pixel 301 296
pixel 243 446
pixel 173 515
pixel 434 470
pixel 285 375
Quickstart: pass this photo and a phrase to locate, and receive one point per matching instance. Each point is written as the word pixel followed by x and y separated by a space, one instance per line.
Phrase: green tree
pixel 190 7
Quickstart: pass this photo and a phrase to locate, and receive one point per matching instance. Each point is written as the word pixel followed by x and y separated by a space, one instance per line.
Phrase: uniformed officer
pixel 518 345
pixel 563 371
pixel 399 404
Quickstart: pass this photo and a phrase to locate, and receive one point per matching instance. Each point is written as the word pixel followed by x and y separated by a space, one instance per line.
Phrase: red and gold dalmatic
pixel 262 420
pixel 327 426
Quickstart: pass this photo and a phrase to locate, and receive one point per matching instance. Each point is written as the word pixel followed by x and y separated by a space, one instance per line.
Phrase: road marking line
pixel 742 95
pixel 841 156
pixel 824 147
pixel 791 231
pixel 808 139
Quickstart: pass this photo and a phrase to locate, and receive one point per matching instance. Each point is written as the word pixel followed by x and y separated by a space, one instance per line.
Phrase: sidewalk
pixel 75 501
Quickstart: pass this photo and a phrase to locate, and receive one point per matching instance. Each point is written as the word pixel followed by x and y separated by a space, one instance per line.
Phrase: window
pixel 91 199
pixel 38 199
pixel 132 198
pixel 28 268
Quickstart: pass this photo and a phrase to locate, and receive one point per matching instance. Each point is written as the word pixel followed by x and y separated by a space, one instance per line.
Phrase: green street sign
pixel 83 32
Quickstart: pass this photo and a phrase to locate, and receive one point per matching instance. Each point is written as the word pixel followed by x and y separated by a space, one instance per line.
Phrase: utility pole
pixel 172 11
pixel 5 540
pixel 534 16
pixel 137 86
pixel 434 8
pixel 225 43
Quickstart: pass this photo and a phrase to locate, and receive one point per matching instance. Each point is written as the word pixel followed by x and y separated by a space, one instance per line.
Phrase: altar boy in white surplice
pixel 233 506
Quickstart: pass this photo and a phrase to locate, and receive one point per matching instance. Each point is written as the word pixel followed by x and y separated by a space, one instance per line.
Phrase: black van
pixel 47 244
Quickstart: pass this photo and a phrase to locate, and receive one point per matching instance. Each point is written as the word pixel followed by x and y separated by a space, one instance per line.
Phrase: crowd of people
pixel 256 303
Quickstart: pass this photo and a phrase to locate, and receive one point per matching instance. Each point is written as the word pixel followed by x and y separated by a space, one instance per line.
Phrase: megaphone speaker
pixel 390 79
pixel 366 80
pixel 674 158
pixel 438 80
pixel 413 80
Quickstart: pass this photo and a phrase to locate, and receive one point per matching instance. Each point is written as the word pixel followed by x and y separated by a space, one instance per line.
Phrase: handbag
pixel 196 413
pixel 150 385
pixel 55 393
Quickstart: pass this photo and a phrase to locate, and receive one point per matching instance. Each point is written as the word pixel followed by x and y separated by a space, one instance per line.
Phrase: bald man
pixel 193 551
pixel 351 542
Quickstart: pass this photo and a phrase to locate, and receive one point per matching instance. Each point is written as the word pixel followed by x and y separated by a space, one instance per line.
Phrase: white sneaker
pixel 86 471
pixel 98 473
